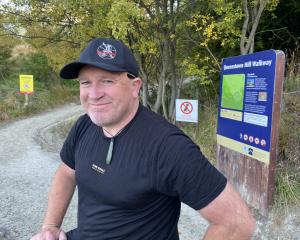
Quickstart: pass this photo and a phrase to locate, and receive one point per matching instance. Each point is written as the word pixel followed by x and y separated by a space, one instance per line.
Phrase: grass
pixel 45 96
pixel 287 189
pixel 288 165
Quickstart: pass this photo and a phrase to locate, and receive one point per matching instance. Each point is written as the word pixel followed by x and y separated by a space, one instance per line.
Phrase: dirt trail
pixel 28 159
pixel 26 170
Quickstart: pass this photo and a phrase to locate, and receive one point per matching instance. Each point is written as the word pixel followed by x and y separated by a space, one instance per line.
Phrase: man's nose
pixel 96 92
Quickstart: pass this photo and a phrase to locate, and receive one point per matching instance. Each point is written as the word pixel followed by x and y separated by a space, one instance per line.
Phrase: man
pixel 133 168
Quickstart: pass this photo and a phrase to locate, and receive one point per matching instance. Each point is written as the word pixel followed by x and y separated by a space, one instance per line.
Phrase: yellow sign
pixel 26 84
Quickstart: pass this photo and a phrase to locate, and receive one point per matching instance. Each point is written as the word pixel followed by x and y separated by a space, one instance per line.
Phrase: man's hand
pixel 52 233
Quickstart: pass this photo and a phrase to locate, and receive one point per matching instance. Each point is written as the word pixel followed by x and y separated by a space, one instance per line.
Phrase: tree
pixel 252 14
pixel 173 40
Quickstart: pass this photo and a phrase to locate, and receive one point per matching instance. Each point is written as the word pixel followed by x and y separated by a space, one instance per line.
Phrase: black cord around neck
pixel 113 136
pixel 111 144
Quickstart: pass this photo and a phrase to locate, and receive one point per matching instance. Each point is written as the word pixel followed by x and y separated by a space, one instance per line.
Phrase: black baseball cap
pixel 105 53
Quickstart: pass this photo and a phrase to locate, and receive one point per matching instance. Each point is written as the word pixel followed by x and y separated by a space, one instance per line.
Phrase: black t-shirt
pixel 154 167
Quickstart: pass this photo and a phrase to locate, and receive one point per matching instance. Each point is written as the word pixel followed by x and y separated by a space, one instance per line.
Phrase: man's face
pixel 110 99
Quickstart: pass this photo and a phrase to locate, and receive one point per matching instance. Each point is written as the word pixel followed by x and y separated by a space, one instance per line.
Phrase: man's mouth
pixel 99 106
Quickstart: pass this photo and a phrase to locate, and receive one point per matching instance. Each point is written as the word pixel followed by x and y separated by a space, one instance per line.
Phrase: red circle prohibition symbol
pixel 186 107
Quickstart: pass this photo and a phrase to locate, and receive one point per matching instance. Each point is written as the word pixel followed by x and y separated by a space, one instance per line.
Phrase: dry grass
pixel 288 165
pixel 44 97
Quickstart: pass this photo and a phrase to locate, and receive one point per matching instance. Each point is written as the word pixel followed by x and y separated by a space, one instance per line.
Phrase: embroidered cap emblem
pixel 106 51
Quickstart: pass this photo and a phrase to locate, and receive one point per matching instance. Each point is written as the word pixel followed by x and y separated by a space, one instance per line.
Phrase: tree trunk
pixel 248 36
pixel 163 74
pixel 144 78
pixel 164 100
pixel 173 80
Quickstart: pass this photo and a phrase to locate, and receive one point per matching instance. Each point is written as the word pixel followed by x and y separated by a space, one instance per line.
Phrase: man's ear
pixel 136 84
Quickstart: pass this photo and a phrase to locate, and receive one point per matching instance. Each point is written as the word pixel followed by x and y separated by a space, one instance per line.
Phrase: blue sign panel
pixel 246 102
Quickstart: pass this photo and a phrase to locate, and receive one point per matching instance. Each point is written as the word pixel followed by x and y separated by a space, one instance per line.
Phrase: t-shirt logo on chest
pixel 98 169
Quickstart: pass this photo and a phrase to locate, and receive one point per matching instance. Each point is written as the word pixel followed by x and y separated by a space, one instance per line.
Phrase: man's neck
pixel 113 130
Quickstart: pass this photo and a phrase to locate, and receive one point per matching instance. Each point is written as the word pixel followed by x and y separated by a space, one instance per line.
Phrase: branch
pixel 255 24
pixel 272 30
pixel 29 20
pixel 279 29
pixel 244 28
pixel 12 33
pixel 147 8
pixel 207 49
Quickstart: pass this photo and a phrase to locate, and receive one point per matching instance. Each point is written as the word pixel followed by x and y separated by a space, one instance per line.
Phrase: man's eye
pixel 84 83
pixel 107 81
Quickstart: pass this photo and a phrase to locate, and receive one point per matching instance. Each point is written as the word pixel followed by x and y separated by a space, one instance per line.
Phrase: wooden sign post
pixel 248 124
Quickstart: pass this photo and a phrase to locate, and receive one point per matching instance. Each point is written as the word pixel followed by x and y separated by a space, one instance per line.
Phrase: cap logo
pixel 106 51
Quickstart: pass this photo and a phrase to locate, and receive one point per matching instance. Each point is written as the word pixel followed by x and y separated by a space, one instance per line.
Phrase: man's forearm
pixel 60 195
pixel 222 232
pixel 229 217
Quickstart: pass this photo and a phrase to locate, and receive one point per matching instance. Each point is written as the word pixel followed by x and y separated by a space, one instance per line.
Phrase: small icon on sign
pixel 256 140
pixel 263 142
pixel 262 96
pixel 245 137
pixel 251 139
pixel 186 107
pixel 250 151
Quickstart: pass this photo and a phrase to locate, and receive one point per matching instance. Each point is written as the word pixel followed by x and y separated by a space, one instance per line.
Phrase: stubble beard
pixel 103 119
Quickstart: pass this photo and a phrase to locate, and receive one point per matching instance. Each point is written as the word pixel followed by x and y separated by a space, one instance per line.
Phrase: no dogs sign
pixel 186 110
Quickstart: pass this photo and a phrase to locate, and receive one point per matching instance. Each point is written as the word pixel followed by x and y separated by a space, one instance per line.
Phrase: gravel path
pixel 28 159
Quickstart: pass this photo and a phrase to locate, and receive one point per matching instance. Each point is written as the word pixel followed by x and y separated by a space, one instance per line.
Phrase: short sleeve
pixel 67 152
pixel 182 171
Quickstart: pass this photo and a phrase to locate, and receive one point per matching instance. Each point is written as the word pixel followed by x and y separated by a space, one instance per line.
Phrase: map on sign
pixel 233 91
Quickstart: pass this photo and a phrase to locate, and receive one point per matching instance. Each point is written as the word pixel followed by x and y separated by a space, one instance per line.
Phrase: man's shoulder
pixel 155 127
pixel 154 121
pixel 81 125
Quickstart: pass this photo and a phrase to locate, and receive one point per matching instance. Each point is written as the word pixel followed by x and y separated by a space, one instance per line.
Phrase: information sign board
pixel 248 123
pixel 246 104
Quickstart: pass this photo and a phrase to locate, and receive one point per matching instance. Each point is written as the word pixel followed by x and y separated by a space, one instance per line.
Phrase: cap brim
pixel 71 70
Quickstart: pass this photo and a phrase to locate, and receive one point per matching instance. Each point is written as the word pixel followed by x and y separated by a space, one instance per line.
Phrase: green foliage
pixel 5 63
pixel 121 15
pixel 48 90
pixel 37 64
pixel 218 23
pixel 214 32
